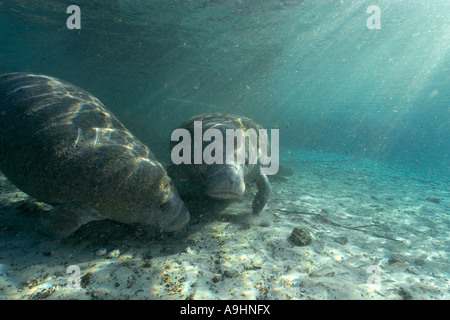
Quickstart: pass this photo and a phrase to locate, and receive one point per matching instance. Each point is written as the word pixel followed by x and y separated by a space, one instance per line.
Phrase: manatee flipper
pixel 263 194
pixel 65 219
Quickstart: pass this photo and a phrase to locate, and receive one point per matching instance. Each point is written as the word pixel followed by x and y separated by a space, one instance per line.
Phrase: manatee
pixel 60 145
pixel 226 180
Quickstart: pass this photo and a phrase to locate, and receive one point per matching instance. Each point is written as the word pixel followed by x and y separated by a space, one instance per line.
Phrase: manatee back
pixel 60 144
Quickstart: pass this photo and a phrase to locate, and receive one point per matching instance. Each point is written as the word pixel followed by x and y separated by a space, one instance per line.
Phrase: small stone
pixel 86 280
pixel 341 240
pixel 100 252
pixel 419 262
pixel 396 259
pixel 300 237
pixel 230 273
pixel 433 200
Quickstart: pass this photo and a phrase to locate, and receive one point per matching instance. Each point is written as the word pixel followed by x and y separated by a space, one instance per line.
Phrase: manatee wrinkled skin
pixel 60 145
pixel 226 180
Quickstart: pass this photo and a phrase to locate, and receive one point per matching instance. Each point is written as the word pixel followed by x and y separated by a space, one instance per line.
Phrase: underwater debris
pixel 300 237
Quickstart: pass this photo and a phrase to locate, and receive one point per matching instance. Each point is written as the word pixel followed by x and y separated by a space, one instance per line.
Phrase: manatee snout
pixel 225 181
pixel 174 215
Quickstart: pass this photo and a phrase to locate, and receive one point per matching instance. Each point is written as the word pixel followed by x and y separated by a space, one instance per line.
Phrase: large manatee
pixel 60 145
pixel 224 180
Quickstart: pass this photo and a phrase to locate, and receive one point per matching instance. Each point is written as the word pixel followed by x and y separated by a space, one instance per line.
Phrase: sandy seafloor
pixel 360 213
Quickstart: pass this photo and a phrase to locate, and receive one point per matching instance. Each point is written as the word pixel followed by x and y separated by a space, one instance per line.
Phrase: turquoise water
pixel 366 111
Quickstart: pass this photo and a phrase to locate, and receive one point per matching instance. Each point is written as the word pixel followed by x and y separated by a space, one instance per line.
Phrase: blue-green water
pixel 312 69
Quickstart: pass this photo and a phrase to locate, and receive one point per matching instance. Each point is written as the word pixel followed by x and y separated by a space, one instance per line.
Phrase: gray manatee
pixel 60 145
pixel 226 180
